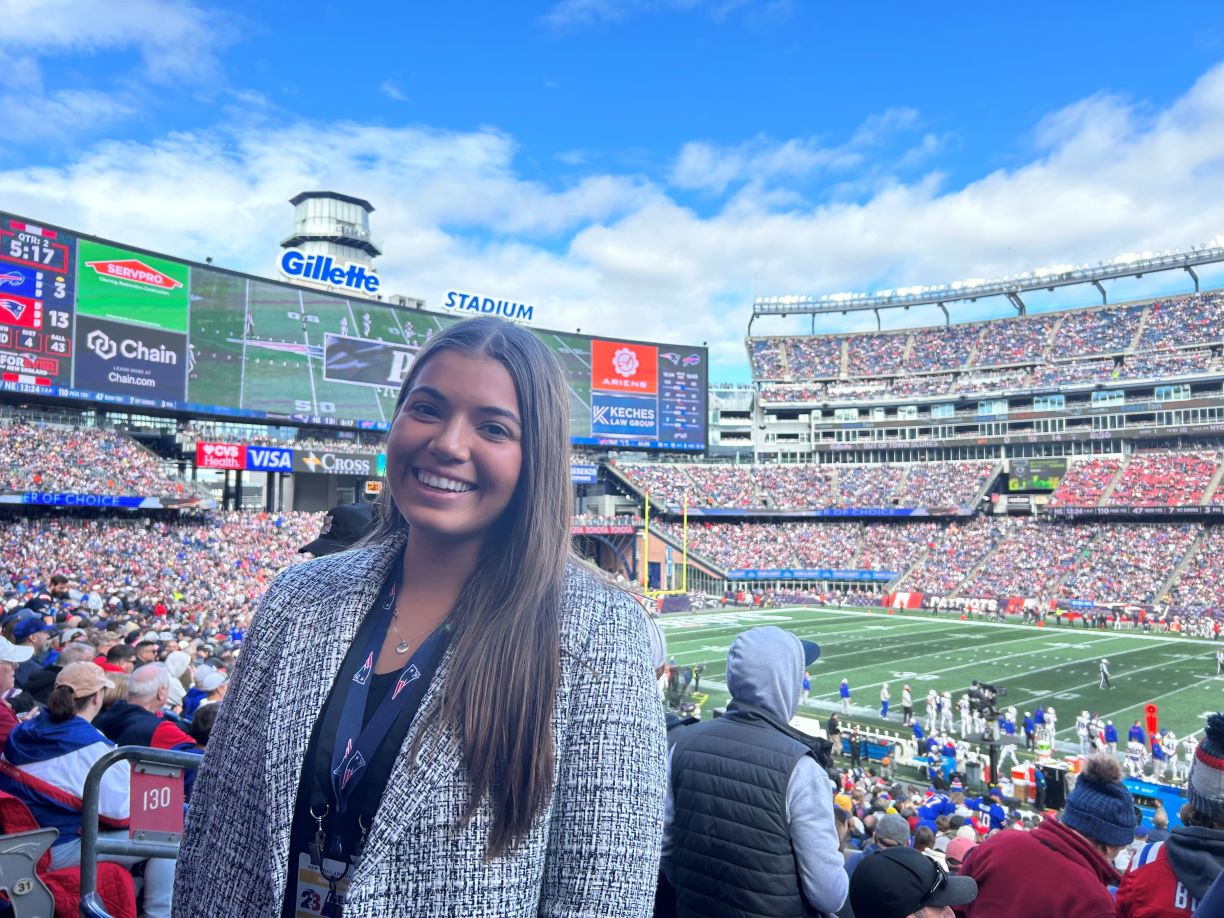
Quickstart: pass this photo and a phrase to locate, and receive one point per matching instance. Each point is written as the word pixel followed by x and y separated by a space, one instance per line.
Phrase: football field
pixel 1037 666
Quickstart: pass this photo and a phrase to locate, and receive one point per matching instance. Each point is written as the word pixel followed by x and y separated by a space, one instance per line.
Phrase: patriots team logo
pixel 390 598
pixel 410 675
pixel 14 308
pixel 351 767
pixel 11 278
pixel 362 675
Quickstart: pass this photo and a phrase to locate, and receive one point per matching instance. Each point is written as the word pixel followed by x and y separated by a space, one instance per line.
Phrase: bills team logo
pixel 11 279
pixel 134 271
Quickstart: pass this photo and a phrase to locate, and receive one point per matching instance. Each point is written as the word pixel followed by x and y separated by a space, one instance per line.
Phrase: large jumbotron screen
pixel 85 318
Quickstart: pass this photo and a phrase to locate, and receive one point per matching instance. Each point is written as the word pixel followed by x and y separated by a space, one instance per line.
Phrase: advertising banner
pixel 602 529
pixel 328 462
pixel 125 501
pixel 113 357
pixel 584 474
pixel 626 416
pixel 114 283
pixel 269 459
pixel 617 366
pixel 784 573
pixel 226 456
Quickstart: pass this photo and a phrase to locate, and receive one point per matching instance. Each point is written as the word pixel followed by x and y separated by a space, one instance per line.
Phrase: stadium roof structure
pixel 974 289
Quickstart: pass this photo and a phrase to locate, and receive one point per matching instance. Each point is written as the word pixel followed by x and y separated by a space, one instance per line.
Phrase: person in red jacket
pixel 1168 879
pixel 1064 866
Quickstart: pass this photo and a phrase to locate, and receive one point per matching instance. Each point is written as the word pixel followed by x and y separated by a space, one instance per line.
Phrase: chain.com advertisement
pixel 133 360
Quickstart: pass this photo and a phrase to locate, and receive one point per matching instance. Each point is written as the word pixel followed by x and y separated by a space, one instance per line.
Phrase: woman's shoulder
pixel 344 568
pixel 590 602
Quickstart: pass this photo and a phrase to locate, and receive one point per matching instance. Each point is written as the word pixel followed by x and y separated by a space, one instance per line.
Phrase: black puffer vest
pixel 731 851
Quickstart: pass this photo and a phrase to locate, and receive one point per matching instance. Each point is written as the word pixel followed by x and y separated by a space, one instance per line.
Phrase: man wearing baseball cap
pixel 759 780
pixel 904 883
pixel 343 526
pixel 31 631
pixel 11 656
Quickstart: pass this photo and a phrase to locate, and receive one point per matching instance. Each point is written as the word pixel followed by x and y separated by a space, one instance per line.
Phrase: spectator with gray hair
pixel 139 720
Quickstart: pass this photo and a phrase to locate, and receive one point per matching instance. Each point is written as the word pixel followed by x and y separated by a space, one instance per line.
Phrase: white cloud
pixel 712 168
pixel 617 253
pixel 391 90
pixel 177 39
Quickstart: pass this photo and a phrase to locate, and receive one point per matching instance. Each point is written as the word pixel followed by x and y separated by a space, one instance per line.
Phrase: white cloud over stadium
pixel 676 255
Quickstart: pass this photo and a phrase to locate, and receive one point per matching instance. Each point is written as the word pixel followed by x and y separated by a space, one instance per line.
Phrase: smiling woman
pixel 443 720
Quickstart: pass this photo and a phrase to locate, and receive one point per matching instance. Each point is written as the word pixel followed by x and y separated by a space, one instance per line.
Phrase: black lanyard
pixel 354 745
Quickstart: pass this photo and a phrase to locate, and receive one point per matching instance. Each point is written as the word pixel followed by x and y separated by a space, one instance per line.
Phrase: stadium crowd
pixel 809 486
pixel 1133 330
pixel 78 460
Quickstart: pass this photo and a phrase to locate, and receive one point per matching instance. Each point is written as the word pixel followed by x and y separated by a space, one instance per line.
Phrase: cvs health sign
pixel 227 456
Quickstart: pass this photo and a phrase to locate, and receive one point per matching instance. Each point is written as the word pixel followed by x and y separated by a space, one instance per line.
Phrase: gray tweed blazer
pixel 594 852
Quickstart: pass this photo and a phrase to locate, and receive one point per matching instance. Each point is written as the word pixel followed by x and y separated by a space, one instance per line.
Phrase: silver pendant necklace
pixel 402 646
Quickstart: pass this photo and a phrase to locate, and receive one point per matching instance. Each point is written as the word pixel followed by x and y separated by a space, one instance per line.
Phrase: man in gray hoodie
pixel 748 821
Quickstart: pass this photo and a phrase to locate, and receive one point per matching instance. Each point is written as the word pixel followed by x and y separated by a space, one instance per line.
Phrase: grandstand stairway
pixel 1175 574
pixel 1113 483
pixel 1134 343
pixel 905 351
pixel 987 485
pixel 1213 485
pixel 843 365
pixel 1055 328
pixel 971 360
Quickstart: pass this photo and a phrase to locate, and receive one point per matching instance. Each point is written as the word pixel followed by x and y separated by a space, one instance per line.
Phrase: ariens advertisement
pixel 92 319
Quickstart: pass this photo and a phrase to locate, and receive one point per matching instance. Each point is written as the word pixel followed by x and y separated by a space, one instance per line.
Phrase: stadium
pixel 1007 501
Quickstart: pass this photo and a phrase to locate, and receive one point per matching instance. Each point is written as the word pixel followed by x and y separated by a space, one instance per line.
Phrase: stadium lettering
pixel 327 270
pixel 470 302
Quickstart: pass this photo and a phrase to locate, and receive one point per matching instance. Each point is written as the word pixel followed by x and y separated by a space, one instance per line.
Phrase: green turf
pixel 1038 666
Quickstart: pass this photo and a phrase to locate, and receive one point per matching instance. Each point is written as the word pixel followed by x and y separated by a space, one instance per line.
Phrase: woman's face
pixel 455 449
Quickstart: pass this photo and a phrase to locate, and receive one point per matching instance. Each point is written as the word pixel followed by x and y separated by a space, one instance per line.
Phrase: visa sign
pixel 325 269
pixel 269 459
pixel 227 456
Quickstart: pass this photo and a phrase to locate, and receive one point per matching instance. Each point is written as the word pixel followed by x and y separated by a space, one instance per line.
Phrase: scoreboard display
pixel 1036 474
pixel 91 319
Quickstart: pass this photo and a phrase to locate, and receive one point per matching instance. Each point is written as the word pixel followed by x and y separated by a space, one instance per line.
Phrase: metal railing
pixel 162 762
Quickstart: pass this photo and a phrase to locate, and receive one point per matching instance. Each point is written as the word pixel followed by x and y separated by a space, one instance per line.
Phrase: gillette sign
pixel 326 270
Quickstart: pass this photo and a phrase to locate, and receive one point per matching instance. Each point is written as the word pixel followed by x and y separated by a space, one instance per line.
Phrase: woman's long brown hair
pixel 505 665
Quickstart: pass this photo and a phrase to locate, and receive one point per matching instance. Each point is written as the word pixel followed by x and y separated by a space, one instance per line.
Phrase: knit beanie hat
pixel 1206 785
pixel 1100 807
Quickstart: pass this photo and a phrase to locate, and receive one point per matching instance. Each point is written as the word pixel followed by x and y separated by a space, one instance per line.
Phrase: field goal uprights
pixel 654 594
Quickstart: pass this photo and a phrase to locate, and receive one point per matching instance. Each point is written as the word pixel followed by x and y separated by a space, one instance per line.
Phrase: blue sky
pixel 637 167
